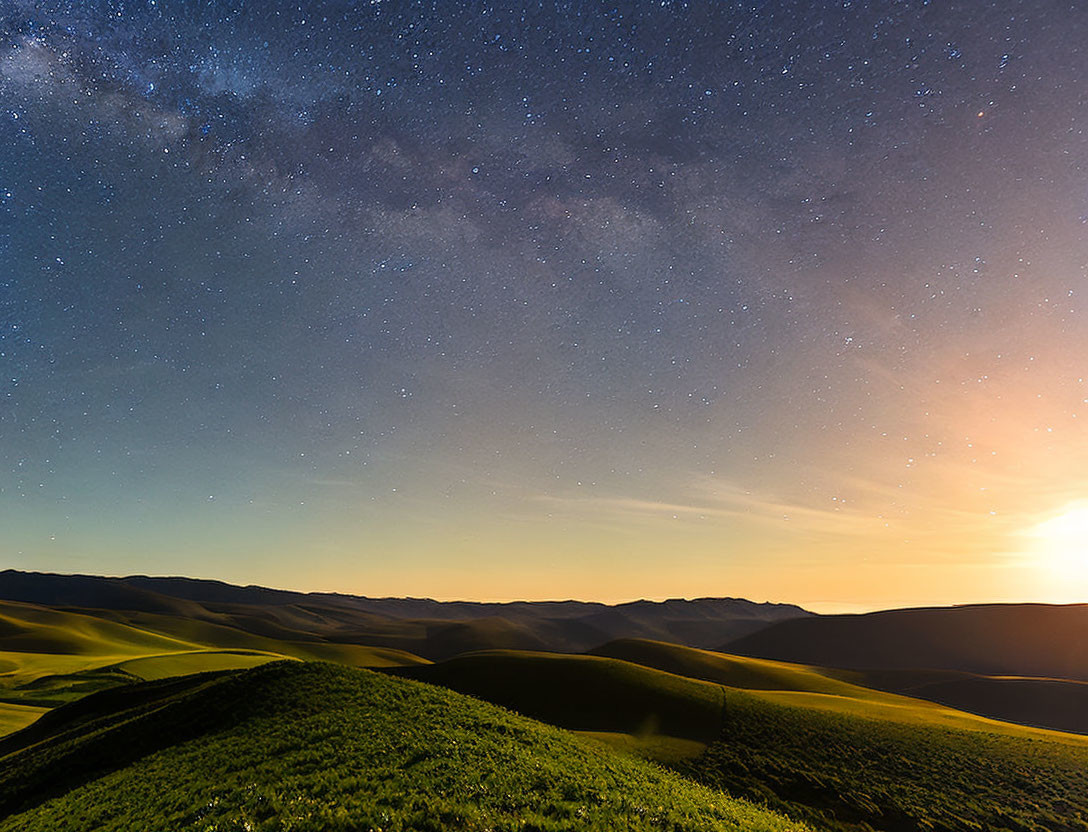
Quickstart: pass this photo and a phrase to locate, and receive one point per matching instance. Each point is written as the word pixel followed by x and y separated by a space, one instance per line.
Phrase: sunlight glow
pixel 1062 542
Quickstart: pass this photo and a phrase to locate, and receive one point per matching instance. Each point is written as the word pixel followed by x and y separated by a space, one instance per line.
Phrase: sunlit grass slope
pixel 293 746
pixel 735 671
pixel 13 717
pixel 180 664
pixel 812 687
pixel 230 634
pixel 49 657
pixel 76 641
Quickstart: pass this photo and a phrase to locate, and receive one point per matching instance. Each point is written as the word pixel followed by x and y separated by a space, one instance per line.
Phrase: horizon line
pixel 818 606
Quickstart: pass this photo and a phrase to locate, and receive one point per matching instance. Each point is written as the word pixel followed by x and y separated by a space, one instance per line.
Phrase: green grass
pixel 656 747
pixel 308 747
pixel 197 661
pixel 815 688
pixel 352 655
pixel 725 669
pixel 299 746
pixel 918 712
pixel 49 691
pixel 49 657
pixel 854 769
pixel 27 628
pixel 14 717
pixel 840 756
pixel 233 636
pixel 585 693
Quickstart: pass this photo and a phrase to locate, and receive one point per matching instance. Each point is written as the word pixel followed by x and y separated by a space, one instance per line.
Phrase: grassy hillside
pixel 13 717
pixel 299 645
pixel 1061 705
pixel 853 771
pixel 49 657
pixel 31 629
pixel 841 756
pixel 669 691
pixel 735 671
pixel 292 746
pixel 585 693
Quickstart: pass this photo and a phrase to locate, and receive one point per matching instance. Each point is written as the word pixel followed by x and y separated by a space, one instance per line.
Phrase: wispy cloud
pixel 907 530
pixel 711 499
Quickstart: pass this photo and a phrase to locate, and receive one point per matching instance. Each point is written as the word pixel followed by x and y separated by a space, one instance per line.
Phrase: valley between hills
pixel 170 703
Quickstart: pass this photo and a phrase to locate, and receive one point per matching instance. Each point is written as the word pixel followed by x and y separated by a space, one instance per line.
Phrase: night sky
pixel 598 300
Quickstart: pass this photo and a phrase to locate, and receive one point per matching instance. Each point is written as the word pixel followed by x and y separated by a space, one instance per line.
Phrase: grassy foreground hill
pixel 836 755
pixel 854 772
pixel 303 746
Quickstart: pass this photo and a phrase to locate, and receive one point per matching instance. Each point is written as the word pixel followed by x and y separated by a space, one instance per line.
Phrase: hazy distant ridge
pixel 996 639
pixel 435 629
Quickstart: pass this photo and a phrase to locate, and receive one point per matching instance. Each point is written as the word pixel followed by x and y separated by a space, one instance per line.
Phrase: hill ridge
pixel 429 628
pixel 149 581
pixel 321 747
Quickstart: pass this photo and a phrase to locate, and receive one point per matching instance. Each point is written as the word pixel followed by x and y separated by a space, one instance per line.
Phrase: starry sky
pixel 783 300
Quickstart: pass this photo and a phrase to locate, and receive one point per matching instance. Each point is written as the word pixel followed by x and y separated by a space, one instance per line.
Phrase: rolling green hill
pixel 812 743
pixel 1023 663
pixel 840 749
pixel 49 657
pixel 308 747
pixel 735 671
pixel 645 687
pixel 13 717
pixel 584 693
pixel 840 756
pixel 32 629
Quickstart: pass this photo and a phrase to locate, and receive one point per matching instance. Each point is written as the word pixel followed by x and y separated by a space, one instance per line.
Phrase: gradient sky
pixel 783 300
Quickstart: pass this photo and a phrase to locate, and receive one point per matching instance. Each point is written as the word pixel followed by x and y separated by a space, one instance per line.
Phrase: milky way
pixel 606 300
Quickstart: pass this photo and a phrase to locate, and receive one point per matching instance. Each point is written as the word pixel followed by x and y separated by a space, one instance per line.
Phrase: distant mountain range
pixel 1026 663
pixel 432 629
